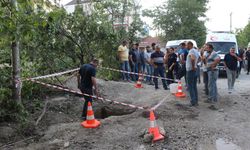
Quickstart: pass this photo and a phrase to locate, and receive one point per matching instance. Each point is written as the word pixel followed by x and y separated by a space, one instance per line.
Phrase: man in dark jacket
pixel 183 52
pixel 132 61
pixel 135 58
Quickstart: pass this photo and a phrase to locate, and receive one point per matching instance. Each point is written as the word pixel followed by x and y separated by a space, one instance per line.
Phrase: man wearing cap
pixel 157 60
pixel 231 62
pixel 86 81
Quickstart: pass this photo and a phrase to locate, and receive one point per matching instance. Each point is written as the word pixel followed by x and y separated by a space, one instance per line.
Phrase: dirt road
pixel 187 128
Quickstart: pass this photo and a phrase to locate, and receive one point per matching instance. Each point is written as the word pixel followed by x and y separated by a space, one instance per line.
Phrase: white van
pixel 176 43
pixel 222 43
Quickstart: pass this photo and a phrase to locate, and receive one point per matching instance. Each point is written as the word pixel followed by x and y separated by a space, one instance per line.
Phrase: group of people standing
pixel 187 62
pixel 150 61
pixel 244 54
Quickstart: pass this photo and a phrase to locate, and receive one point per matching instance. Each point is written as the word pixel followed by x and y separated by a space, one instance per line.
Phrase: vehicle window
pixel 222 47
pixel 174 46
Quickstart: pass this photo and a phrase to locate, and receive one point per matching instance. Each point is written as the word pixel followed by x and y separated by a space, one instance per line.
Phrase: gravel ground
pixel 186 128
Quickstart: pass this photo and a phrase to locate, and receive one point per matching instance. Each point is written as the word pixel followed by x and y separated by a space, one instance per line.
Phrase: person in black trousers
pixel 171 61
pixel 157 60
pixel 241 55
pixel 86 81
pixel 247 56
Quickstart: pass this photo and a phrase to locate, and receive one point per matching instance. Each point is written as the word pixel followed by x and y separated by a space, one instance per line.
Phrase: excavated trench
pixel 71 108
pixel 105 111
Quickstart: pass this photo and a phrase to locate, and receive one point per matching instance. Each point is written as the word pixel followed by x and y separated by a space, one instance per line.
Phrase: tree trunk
pixel 16 70
pixel 16 67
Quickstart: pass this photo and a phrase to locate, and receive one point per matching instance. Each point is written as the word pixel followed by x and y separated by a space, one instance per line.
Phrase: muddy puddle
pixel 220 144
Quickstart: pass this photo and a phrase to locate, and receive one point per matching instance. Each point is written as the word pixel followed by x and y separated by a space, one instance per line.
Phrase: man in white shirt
pixel 191 68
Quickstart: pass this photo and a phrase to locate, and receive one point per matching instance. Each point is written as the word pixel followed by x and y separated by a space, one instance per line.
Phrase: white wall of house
pixel 87 8
pixel 70 8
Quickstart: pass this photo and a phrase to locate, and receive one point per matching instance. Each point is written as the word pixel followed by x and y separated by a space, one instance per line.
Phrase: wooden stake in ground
pixel 43 113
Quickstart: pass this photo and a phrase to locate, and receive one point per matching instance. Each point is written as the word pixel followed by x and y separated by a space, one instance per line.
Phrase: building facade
pixel 87 6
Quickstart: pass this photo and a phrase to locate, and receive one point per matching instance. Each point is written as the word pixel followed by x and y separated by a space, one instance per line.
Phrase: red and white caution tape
pixel 83 94
pixel 122 71
pixel 159 104
pixel 100 98
pixel 54 74
pixel 106 68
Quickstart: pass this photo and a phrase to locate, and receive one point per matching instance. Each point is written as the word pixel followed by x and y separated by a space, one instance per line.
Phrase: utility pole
pixel 231 22
pixel 16 67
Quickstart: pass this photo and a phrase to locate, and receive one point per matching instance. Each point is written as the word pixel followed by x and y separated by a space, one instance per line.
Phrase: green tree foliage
pixel 52 41
pixel 243 36
pixel 180 19
pixel 136 28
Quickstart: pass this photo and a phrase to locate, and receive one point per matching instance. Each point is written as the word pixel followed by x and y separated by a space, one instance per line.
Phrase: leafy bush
pixel 9 109
pixel 56 41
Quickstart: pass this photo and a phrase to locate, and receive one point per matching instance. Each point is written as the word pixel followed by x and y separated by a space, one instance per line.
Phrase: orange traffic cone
pixel 91 122
pixel 139 82
pixel 154 129
pixel 180 93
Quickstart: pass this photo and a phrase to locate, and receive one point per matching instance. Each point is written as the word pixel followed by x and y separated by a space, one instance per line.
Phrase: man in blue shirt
pixel 143 61
pixel 231 64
